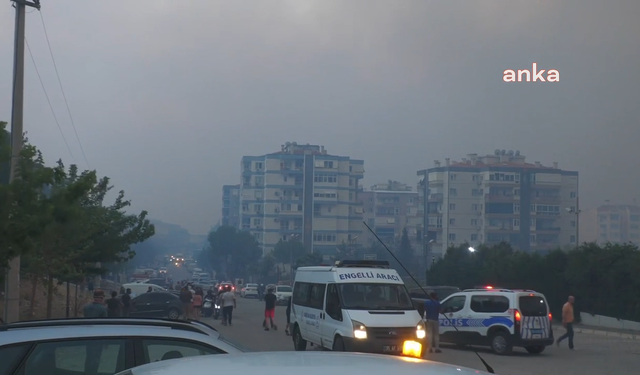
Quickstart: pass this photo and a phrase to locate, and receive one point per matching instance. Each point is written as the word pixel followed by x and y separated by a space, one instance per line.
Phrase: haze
pixel 167 96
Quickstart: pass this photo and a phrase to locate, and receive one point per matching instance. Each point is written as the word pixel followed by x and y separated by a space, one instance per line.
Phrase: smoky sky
pixel 167 96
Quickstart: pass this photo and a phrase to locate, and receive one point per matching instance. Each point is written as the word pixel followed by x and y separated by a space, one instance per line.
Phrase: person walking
pixel 197 303
pixel 567 322
pixel 113 305
pixel 287 328
pixel 228 304
pixel 126 302
pixel 432 319
pixel 187 302
pixel 270 300
pixel 96 308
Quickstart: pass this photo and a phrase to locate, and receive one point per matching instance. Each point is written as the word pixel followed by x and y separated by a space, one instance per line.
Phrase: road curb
pixel 602 332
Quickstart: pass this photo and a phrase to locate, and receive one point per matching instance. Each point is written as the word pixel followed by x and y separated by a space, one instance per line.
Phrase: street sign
pixel 370 256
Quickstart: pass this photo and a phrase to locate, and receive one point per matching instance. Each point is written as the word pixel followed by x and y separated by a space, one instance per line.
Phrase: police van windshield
pixel 375 297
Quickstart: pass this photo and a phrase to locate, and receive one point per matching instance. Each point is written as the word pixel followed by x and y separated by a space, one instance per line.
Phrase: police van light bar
pixel 363 263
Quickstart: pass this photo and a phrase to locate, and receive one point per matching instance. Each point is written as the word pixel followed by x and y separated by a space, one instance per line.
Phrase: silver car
pixel 102 346
pixel 297 363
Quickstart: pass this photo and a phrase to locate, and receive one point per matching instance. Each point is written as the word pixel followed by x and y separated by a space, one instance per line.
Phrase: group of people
pixel 112 307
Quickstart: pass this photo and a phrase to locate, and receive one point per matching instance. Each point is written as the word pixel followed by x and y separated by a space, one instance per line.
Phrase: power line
pixel 62 89
pixel 47 96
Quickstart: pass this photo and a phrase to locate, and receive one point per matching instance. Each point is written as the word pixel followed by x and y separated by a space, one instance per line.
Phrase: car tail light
pixel 550 317
pixel 517 316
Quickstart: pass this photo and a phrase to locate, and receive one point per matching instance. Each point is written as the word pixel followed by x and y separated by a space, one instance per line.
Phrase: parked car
pixel 157 305
pixel 283 292
pixel 102 346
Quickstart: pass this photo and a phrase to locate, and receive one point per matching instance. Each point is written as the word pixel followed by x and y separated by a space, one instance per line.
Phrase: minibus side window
pixel 334 308
pixel 301 294
pixel 317 296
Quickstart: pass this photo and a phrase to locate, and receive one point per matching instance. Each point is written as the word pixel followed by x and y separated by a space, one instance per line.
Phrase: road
pixel 595 354
pixel 178 273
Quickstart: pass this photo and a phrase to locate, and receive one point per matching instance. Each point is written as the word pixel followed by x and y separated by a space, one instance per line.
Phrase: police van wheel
pixel 299 344
pixel 338 344
pixel 535 349
pixel 500 343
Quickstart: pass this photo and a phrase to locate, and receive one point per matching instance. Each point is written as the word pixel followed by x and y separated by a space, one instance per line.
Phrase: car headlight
pixel 420 330
pixel 359 330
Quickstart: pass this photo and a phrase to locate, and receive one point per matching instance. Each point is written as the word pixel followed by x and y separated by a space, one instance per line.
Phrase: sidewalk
pixel 581 328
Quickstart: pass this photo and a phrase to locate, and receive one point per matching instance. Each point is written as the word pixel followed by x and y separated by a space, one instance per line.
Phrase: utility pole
pixel 12 274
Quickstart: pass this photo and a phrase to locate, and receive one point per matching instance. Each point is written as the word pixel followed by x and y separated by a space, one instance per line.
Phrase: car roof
pixel 20 335
pixel 295 363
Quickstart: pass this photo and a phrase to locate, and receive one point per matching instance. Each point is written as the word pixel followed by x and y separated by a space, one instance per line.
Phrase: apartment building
pixel 500 197
pixel 231 205
pixel 388 209
pixel 615 223
pixel 301 193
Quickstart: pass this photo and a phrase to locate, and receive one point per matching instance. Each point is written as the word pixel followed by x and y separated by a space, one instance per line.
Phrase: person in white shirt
pixel 228 304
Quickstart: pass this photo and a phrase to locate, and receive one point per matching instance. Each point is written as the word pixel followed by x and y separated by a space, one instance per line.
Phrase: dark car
pixel 157 305
pixel 418 297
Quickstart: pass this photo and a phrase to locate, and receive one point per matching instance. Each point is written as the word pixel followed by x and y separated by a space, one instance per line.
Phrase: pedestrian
pixel 197 303
pixel 567 322
pixel 186 297
pixel 228 304
pixel 113 305
pixel 270 300
pixel 432 319
pixel 150 290
pixel 126 302
pixel 288 312
pixel 96 308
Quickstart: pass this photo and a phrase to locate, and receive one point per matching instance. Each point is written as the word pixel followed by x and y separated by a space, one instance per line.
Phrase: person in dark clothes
pixel 113 305
pixel 126 302
pixel 270 300
pixel 432 316
pixel 286 330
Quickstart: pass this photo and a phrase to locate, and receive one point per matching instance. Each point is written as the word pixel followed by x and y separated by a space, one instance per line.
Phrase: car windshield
pixel 284 289
pixel 375 297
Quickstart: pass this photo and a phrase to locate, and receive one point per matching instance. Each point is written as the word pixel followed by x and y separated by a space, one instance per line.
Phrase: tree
pixel 604 279
pixel 310 259
pixel 405 252
pixel 232 251
pixel 288 251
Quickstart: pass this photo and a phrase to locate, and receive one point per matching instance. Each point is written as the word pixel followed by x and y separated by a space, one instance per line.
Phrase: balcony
pixel 438 197
pixel 548 229
pixel 500 197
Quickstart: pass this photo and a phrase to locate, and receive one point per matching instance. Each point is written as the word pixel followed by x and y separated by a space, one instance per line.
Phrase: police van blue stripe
pixel 488 322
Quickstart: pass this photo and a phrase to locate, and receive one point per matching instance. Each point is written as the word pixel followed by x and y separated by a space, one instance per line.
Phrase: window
pixel 452 206
pixel 474 222
pixel 614 217
pixel 316 299
pixel 474 237
pixel 453 192
pixel 573 224
pixel 634 218
pixel 370 296
pixel 101 356
pixel 333 305
pixel 516 222
pixel 11 357
pixel 163 349
pixel 572 194
pixel 454 304
pixel 452 221
pixel 489 304
pixel 452 236
pixel 572 239
pixel 533 306
pixel 453 177
pixel 301 293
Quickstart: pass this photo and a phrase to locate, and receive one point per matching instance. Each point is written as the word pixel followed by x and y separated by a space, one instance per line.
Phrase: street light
pixel 471 249
pixel 576 211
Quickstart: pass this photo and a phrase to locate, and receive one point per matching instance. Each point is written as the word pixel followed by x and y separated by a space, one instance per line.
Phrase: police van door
pixel 332 317
pixel 452 317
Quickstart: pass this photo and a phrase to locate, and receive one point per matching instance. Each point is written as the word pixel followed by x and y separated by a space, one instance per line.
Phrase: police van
pixel 360 305
pixel 499 318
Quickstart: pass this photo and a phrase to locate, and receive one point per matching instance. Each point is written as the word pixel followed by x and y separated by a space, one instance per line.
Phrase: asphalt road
pixel 595 354
pixel 178 273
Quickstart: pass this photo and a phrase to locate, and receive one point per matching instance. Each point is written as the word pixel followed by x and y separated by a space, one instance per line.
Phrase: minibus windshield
pixel 375 296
